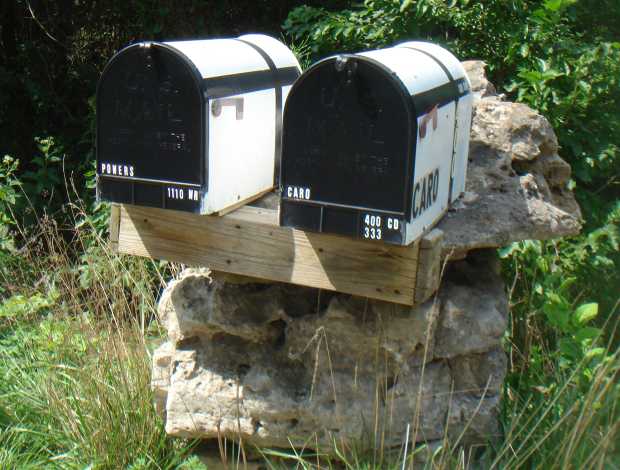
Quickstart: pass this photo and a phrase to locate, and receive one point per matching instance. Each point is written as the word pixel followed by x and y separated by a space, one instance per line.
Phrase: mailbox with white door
pixel 192 125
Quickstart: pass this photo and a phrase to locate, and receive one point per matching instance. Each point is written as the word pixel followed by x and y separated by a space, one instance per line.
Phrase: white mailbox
pixel 375 144
pixel 192 125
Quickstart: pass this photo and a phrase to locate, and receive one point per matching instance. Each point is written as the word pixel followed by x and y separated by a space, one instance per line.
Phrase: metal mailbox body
pixel 375 144
pixel 192 125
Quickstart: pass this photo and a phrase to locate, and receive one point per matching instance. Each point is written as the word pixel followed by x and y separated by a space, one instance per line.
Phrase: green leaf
pixel 553 5
pixel 595 352
pixel 524 50
pixel 567 282
pixel 508 250
pixel 405 4
pixel 585 313
pixel 587 333
pixel 570 349
pixel 557 313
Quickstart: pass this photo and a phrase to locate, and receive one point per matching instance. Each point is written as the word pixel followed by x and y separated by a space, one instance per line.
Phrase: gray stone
pixel 186 311
pixel 479 375
pixel 336 367
pixel 480 85
pixel 517 184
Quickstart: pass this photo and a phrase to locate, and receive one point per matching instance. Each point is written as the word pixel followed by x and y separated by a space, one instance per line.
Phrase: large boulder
pixel 302 367
pixel 517 185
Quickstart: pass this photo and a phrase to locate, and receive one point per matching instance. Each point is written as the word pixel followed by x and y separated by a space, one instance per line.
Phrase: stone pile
pixel 279 365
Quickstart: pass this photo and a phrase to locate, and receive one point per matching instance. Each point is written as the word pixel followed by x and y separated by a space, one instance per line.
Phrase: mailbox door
pixel 348 137
pixel 241 146
pixel 150 128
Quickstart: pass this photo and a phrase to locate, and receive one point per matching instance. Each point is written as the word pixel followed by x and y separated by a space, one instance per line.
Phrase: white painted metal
pixel 220 57
pixel 277 51
pixel 417 71
pixel 461 150
pixel 453 65
pixel 441 149
pixel 433 157
pixel 241 151
pixel 463 114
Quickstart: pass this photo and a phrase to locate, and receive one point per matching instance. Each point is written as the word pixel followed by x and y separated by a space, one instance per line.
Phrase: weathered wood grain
pixel 114 226
pixel 428 276
pixel 250 242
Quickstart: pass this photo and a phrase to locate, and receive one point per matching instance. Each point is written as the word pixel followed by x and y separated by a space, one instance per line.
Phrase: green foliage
pixel 75 333
pixel 192 463
pixel 43 180
pixel 8 198
pixel 76 394
pixel 544 301
pixel 19 306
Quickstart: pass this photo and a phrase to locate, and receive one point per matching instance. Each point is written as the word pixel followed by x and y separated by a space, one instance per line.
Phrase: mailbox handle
pixel 218 103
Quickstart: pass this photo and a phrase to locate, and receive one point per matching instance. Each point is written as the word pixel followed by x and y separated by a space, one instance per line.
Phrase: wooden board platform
pixel 250 242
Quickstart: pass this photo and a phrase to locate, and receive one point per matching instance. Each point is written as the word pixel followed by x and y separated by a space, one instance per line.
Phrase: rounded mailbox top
pixel 149 113
pixel 348 130
pixel 444 57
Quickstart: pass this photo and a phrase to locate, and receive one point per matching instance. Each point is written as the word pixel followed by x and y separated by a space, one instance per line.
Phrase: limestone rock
pixel 160 378
pixel 516 185
pixel 480 85
pixel 330 366
pixel 186 311
pixel 479 375
pixel 516 182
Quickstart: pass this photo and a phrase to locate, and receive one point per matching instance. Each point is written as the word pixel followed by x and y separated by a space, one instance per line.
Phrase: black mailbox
pixel 375 144
pixel 192 125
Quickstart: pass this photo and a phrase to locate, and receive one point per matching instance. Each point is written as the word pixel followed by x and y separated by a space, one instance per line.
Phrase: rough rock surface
pixel 338 367
pixel 516 182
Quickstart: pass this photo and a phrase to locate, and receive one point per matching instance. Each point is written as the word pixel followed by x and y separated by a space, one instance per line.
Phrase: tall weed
pixel 76 326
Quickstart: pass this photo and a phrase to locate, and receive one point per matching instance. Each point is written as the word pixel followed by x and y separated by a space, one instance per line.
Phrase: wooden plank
pixel 428 275
pixel 114 226
pixel 250 242
pixel 243 202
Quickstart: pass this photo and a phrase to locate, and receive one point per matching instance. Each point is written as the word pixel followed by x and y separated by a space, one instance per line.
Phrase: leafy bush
pixel 8 198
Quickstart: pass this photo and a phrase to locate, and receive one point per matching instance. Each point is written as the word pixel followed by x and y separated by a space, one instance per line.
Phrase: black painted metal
pixel 152 132
pixel 247 82
pixel 281 77
pixel 349 135
pixel 150 115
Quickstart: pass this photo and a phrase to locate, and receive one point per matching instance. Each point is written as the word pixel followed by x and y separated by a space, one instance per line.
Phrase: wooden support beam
pixel 114 226
pixel 429 266
pixel 250 242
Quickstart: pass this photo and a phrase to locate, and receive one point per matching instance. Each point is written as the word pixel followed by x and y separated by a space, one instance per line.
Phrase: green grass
pixel 77 327
pixel 76 393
